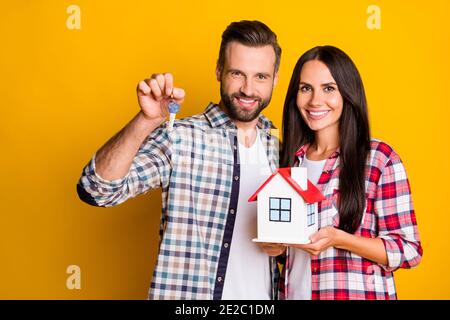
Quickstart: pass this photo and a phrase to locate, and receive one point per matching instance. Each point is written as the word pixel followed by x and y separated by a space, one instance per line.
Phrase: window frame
pixel 280 210
pixel 310 214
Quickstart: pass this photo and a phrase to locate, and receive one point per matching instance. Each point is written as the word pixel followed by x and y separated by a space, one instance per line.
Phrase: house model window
pixel 311 210
pixel 280 209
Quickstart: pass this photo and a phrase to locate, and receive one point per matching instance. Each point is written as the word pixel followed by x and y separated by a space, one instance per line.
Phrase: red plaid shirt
pixel 389 215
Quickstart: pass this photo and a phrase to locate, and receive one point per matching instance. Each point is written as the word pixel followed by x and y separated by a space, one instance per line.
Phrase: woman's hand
pixel 272 249
pixel 320 241
pixel 370 248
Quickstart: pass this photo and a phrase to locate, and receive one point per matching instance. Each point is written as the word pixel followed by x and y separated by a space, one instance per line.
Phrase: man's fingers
pixel 273 252
pixel 161 82
pixel 143 88
pixel 272 249
pixel 169 83
pixel 147 82
pixel 178 94
pixel 156 90
pixel 160 86
pixel 299 246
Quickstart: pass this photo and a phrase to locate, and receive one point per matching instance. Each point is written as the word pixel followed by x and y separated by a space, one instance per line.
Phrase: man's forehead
pixel 238 55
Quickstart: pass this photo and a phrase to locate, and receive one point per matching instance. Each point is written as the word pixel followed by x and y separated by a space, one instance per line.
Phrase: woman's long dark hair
pixel 354 132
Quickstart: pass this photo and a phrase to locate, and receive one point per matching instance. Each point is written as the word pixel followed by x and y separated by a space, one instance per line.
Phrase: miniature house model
pixel 287 207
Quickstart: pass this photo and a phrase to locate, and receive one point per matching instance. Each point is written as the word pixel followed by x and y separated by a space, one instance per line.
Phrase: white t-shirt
pixel 248 270
pixel 300 261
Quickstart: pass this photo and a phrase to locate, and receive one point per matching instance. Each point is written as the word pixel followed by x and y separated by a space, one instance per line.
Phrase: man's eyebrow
pixel 266 74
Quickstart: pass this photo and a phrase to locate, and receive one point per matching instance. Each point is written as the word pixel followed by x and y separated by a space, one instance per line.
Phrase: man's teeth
pixel 246 101
pixel 318 114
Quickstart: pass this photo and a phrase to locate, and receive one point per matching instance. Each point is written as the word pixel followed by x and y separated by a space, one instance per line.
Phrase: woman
pixel 367 225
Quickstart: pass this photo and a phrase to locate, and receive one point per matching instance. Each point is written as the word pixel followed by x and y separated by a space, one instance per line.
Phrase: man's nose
pixel 247 88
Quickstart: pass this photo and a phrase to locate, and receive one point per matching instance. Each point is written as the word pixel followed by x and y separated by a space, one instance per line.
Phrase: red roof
pixel 311 195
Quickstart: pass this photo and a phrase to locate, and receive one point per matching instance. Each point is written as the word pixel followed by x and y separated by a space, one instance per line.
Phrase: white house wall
pixel 281 231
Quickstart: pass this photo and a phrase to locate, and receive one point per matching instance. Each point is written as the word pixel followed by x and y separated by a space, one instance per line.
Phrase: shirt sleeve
pixel 150 169
pixel 397 221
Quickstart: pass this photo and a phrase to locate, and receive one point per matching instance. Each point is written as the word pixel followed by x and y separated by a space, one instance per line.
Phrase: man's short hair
pixel 252 34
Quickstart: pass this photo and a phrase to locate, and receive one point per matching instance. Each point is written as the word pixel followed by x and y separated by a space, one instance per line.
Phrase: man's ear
pixel 275 79
pixel 218 73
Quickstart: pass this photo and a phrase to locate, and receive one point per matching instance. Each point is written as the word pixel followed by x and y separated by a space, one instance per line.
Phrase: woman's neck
pixel 326 142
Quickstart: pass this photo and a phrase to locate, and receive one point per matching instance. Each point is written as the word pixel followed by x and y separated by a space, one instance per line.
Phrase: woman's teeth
pixel 318 113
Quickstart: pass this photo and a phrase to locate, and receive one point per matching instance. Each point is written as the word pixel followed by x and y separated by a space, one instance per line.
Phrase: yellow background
pixel 64 92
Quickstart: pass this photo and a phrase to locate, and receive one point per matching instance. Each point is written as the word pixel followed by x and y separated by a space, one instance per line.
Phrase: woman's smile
pixel 317 114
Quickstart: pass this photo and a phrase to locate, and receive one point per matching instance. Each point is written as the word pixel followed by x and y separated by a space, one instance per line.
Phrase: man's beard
pixel 237 113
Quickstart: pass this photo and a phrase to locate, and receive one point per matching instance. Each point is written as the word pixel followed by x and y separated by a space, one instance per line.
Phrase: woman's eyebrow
pixel 323 84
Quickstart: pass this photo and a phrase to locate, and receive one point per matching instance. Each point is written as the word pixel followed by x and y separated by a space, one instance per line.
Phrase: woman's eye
pixel 329 89
pixel 305 88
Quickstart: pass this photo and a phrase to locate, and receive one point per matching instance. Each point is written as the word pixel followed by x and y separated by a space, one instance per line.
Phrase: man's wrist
pixel 150 122
pixel 145 124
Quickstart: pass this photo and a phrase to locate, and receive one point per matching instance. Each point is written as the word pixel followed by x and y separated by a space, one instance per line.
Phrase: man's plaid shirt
pixel 389 215
pixel 197 167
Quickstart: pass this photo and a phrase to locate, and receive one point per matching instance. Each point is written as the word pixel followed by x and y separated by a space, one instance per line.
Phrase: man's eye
pixel 262 77
pixel 235 73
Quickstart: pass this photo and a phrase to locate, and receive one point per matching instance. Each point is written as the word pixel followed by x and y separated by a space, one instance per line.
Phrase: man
pixel 207 167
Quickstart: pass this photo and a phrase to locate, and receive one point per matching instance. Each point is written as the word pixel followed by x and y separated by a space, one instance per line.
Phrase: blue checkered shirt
pixel 197 167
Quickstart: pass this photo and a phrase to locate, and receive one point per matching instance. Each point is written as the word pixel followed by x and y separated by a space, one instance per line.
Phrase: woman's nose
pixel 316 99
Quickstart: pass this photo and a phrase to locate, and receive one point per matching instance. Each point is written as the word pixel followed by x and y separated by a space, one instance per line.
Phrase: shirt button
pixel 235 147
pixel 225 245
pixel 236 178
pixel 232 211
pixel 219 279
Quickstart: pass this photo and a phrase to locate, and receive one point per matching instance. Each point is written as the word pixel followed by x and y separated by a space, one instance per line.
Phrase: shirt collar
pixel 300 153
pixel 329 164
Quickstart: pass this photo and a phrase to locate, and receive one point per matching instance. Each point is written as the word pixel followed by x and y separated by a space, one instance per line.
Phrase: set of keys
pixel 173 109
